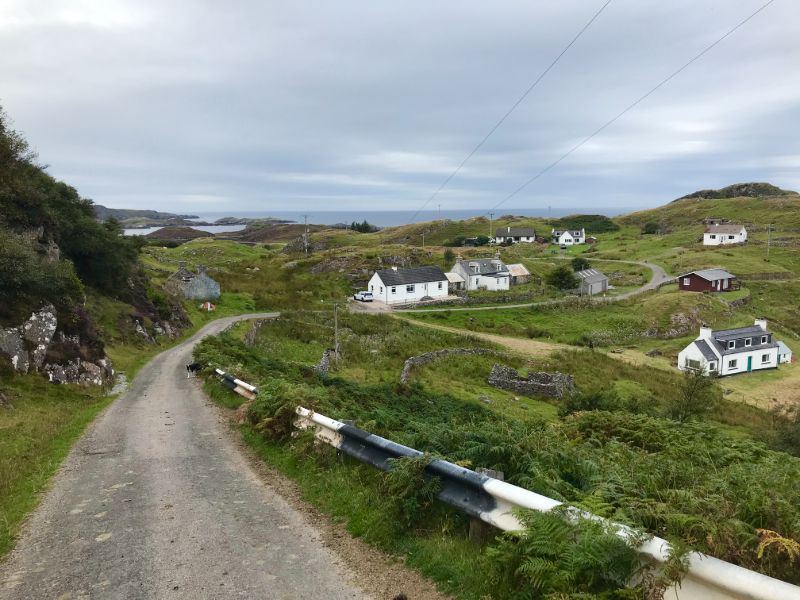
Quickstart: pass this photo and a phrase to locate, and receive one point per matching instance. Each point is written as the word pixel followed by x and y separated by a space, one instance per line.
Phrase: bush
pixel 562 278
pixel 650 228
pixel 696 397
pixel 580 263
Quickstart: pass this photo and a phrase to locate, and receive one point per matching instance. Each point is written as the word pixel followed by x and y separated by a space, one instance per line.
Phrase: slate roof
pixel 740 332
pixel 572 232
pixel 711 274
pixel 705 350
pixel 729 228
pixel 591 275
pixel 486 266
pixel 515 232
pixel 402 276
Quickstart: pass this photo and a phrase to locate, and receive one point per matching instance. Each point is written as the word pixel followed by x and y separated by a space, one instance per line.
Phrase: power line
pixel 630 107
pixel 510 110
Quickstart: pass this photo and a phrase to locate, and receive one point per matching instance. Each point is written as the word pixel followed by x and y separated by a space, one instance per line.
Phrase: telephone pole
pixel 769 239
pixel 305 234
pixel 423 240
pixel 491 217
pixel 336 330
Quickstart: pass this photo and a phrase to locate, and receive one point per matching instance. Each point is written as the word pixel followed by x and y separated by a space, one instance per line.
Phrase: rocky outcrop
pixel 541 383
pixel 35 346
pixel 429 357
pixel 252 333
pixel 26 345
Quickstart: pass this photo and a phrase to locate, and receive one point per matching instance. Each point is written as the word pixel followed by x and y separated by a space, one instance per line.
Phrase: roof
pixel 454 277
pixel 711 274
pixel 486 266
pixel 733 334
pixel 783 348
pixel 573 232
pixel 515 232
pixel 413 275
pixel 728 228
pixel 518 270
pixel 590 275
pixel 705 350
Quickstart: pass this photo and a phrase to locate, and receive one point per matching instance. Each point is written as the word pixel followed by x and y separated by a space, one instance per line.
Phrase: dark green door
pixel 749 363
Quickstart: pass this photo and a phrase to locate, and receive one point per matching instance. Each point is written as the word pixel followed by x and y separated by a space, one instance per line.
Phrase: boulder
pixel 26 345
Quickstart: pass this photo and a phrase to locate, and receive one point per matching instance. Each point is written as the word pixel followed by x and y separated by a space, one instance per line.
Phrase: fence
pixel 494 502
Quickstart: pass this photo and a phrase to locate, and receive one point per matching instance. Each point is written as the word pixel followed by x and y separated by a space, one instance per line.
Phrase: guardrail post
pixel 479 531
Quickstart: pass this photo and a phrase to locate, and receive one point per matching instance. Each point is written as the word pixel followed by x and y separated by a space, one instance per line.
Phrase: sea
pixel 380 218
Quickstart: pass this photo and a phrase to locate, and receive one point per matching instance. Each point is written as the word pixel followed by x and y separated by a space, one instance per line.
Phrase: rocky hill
pixel 177 234
pixel 123 214
pixel 740 190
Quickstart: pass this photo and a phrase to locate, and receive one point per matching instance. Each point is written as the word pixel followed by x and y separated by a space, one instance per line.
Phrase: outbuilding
pixel 592 282
pixel 706 280
pixel 399 285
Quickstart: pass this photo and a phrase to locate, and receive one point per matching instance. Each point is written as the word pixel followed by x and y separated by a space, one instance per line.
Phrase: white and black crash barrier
pixel 494 502
pixel 237 385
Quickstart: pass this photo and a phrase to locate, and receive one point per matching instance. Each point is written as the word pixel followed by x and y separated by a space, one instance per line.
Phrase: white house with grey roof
pixel 591 282
pixel 718 234
pixel 568 237
pixel 515 235
pixel 731 351
pixel 483 273
pixel 399 285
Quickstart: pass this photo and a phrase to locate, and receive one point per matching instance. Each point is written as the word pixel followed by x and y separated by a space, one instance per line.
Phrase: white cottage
pixel 718 234
pixel 568 237
pixel 483 273
pixel 398 285
pixel 732 351
pixel 515 235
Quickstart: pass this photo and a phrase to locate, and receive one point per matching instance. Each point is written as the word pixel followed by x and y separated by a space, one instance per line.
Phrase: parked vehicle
pixel 363 296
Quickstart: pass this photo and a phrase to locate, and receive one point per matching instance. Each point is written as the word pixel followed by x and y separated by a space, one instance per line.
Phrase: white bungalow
pixel 718 234
pixel 568 237
pixel 397 285
pixel 731 351
pixel 515 235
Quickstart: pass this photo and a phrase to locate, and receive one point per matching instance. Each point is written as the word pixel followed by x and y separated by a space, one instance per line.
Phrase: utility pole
pixel 440 210
pixel 336 330
pixel 423 240
pixel 491 217
pixel 305 235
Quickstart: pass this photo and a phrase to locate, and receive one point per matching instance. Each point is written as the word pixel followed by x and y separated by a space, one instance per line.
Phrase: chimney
pixel 705 332
pixel 761 322
pixel 394 267
pixel 497 255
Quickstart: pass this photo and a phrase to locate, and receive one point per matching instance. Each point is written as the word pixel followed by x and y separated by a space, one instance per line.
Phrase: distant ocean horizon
pixel 391 218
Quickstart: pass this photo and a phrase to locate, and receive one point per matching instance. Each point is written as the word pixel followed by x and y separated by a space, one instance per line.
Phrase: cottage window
pixel 686 281
pixel 693 364
pixel 731 345
pixel 381 289
pixel 730 237
pixel 394 290
pixel 713 236
pixel 712 366
pixel 409 289
pixel 372 288
pixel 440 285
pixel 765 358
pixel 748 342
pixel 731 364
pixel 763 339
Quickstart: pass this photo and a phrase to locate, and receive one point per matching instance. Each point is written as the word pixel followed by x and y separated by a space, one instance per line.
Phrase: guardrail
pixel 237 385
pixel 494 502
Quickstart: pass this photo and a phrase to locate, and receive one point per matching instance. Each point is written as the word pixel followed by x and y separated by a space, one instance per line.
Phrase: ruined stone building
pixel 193 286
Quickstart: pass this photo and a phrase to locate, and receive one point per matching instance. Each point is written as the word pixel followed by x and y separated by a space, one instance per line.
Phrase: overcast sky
pixel 263 105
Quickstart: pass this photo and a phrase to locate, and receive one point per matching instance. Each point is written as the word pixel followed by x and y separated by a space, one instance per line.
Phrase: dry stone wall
pixel 541 383
pixel 429 357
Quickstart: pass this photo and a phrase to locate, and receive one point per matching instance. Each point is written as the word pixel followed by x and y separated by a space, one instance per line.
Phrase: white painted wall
pixel 567 239
pixel 717 239
pixel 401 294
pixel 741 361
pixel 522 239
pixel 493 284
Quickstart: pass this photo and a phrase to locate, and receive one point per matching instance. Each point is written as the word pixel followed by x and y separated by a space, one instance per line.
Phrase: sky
pixel 259 105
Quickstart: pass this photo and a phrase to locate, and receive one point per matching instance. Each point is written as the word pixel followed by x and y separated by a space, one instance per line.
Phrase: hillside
pixel 123 214
pixel 740 190
pixel 177 234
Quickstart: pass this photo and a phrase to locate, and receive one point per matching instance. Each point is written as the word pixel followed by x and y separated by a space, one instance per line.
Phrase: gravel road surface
pixel 156 501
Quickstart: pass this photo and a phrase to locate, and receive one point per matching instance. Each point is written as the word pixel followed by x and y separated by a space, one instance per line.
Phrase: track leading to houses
pixel 155 501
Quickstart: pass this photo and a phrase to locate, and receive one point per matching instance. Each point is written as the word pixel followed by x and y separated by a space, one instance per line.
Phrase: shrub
pixel 579 263
pixel 562 278
pixel 650 228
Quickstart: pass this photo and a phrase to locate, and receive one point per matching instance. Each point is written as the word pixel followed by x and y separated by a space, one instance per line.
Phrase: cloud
pixel 256 104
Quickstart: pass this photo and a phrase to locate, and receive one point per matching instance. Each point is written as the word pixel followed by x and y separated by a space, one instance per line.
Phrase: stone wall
pixel 252 333
pixel 429 357
pixel 541 383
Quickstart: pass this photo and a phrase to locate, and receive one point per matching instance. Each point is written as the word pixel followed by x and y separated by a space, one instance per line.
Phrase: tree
pixel 562 278
pixel 697 397
pixel 579 264
pixel 481 240
pixel 650 228
pixel 449 256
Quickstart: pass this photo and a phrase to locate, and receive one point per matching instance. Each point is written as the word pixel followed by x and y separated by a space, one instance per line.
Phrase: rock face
pixel 424 359
pixel 550 385
pixel 26 345
pixel 26 348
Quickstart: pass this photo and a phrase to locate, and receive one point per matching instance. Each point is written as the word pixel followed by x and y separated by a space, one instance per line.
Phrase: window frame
pixel 687 281
pixel 748 342
pixel 410 288
pixel 394 289
pixel 731 344
pixel 733 363
pixel 765 358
